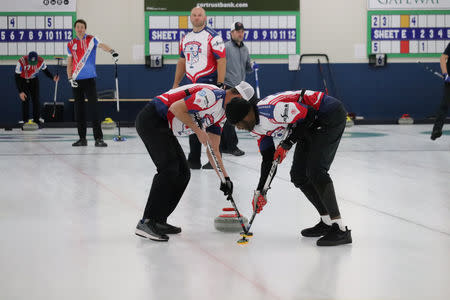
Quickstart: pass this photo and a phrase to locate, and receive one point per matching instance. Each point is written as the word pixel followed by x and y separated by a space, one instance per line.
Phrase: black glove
pixel 115 55
pixel 227 186
pixel 220 85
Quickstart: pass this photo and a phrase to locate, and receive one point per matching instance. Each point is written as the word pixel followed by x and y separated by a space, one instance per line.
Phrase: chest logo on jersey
pixel 192 50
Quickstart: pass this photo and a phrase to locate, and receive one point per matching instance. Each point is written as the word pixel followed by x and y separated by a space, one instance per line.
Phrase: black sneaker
pixel 80 142
pixel 207 166
pixel 148 230
pixel 335 237
pixel 237 152
pixel 436 134
pixel 100 143
pixel 167 228
pixel 194 165
pixel 319 229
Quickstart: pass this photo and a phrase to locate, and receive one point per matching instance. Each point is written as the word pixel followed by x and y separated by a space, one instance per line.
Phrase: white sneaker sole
pixel 144 234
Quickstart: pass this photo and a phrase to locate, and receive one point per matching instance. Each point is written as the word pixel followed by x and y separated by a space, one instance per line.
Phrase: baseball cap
pixel 33 58
pixel 245 89
pixel 236 26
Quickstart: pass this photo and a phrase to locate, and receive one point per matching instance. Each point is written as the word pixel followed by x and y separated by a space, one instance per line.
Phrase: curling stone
pixel 229 222
pixel 349 122
pixel 108 124
pixel 405 119
pixel 30 126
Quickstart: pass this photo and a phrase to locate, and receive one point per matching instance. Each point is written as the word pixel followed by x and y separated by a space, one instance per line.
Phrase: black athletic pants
pixel 313 156
pixel 173 172
pixel 87 89
pixel 442 112
pixel 31 89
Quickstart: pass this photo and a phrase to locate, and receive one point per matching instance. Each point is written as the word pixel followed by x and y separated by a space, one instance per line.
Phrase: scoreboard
pixel 274 35
pixel 31 25
pixel 408 28
pixel 408 33
pixel 272 30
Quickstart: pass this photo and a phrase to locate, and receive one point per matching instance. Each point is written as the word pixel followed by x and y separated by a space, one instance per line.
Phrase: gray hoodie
pixel 238 62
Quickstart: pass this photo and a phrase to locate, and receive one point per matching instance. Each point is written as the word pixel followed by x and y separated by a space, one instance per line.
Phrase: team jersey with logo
pixel 277 111
pixel 201 50
pixel 206 106
pixel 82 52
pixel 28 71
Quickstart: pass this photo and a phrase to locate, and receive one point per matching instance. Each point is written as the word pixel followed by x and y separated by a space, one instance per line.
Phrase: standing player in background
pixel 81 74
pixel 443 107
pixel 319 123
pixel 27 83
pixel 238 63
pixel 202 59
pixel 158 123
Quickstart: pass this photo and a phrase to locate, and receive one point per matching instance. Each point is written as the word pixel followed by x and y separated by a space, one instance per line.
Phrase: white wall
pixel 334 27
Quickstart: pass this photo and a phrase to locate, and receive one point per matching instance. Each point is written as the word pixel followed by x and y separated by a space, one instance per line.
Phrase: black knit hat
pixel 237 109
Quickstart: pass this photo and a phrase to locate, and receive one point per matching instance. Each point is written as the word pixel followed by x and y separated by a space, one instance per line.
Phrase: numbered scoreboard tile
pixel 31 47
pixel 447 20
pixel 413 46
pixel 423 47
pixel 12 22
pixel 167 48
pixel 375 21
pixel 273 47
pixel 40 48
pixel 59 22
pixel 282 47
pixel 155 48
pixel 40 23
pixel 12 49
pixel 31 22
pixel 3 49
pixel 175 48
pixel 265 47
pixel 256 22
pixel 173 22
pixel 375 47
pixel 256 48
pixel 183 22
pixel 21 22
pixel 220 22
pixel 68 22
pixel 190 24
pixel 385 21
pixel 49 48
pixel 292 22
pixel 3 22
pixel 431 47
pixel 292 47
pixel 404 46
pixel 49 22
pixel 22 49
pixel 440 46
pixel 59 48
pixel 395 47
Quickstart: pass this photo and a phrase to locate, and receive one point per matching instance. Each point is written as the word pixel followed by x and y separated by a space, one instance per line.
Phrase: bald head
pixel 198 18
